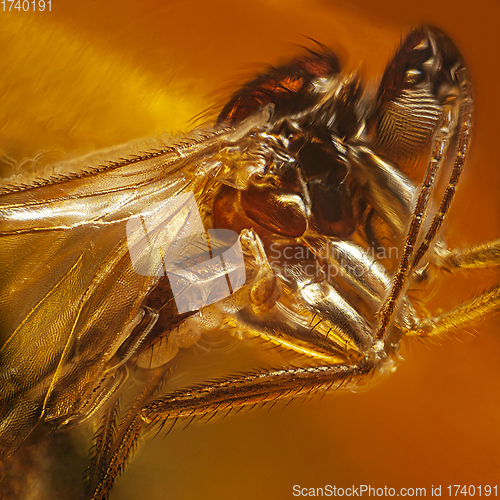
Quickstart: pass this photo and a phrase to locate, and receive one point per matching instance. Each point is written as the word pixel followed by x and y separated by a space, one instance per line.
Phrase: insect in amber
pixel 311 173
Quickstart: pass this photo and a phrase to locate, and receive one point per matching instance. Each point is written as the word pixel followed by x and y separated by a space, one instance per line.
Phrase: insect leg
pixel 102 444
pixel 477 257
pixel 440 145
pixel 388 189
pixel 244 390
pixel 464 132
pixel 118 459
pixel 474 310
pixel 466 314
pixel 111 438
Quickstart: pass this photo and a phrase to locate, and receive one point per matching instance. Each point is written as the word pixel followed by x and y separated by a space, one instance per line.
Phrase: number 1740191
pixel 472 491
pixel 26 5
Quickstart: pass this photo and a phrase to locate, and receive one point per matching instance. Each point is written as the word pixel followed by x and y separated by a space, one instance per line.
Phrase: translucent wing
pixel 69 294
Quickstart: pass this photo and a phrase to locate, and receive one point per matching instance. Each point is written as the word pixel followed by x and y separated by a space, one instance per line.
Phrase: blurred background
pixel 93 74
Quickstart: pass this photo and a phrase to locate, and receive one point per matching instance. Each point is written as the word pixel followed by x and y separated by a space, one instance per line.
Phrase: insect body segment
pixel 290 88
pixel 124 265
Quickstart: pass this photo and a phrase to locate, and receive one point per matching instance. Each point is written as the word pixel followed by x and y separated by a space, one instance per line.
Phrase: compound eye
pixel 408 109
pixel 289 87
pixel 409 66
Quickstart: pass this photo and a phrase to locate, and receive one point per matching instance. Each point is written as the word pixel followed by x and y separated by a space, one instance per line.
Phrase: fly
pixel 293 220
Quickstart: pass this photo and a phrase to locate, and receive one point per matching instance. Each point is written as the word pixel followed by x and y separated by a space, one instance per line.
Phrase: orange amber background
pixel 98 73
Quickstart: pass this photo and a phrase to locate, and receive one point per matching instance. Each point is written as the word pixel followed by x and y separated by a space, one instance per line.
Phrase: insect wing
pixel 70 294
